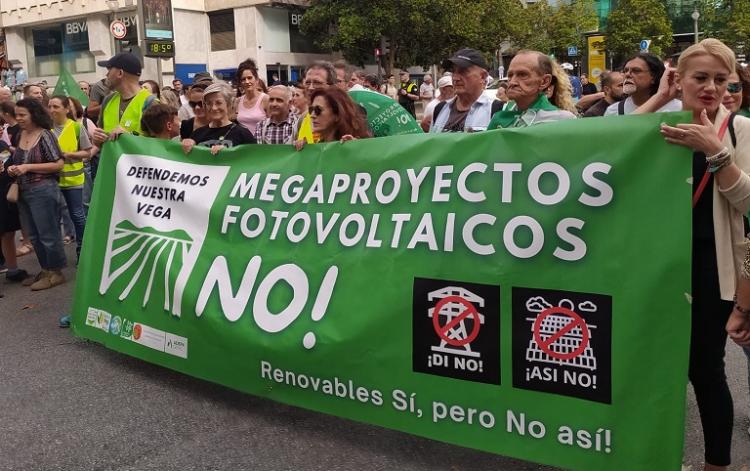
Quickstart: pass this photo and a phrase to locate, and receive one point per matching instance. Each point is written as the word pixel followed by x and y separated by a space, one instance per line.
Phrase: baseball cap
pixel 465 58
pixel 445 82
pixel 124 60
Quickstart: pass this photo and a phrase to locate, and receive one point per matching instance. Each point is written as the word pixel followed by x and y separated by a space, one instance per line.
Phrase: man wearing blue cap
pixel 123 109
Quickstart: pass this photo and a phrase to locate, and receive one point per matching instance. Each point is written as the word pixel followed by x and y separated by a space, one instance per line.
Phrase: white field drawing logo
pixel 159 219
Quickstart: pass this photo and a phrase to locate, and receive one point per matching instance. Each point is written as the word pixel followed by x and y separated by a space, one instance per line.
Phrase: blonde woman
pixel 560 93
pixel 721 158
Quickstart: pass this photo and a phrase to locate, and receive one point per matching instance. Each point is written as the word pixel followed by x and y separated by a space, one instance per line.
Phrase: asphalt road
pixel 68 404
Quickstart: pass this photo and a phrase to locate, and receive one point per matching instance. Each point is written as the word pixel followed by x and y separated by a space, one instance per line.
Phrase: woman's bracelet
pixel 718 155
pixel 719 160
pixel 739 308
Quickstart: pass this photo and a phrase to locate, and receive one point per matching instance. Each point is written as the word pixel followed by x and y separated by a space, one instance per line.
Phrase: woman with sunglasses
pixel 221 132
pixel 736 98
pixel 721 197
pixel 335 117
pixel 195 102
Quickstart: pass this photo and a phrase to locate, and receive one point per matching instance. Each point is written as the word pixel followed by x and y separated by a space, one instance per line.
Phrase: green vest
pixel 131 117
pixel 72 171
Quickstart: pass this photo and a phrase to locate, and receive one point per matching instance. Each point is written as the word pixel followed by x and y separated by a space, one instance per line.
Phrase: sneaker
pixel 30 281
pixel 53 279
pixel 56 278
pixel 16 274
pixel 3 269
pixel 64 322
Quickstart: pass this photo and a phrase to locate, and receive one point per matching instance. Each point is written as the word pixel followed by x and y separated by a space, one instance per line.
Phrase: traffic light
pixel 385 46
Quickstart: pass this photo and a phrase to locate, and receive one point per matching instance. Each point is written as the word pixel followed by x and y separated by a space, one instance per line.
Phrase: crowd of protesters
pixel 50 148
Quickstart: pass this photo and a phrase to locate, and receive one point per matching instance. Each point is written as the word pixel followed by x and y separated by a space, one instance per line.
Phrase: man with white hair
pixel 529 76
pixel 470 110
pixel 278 126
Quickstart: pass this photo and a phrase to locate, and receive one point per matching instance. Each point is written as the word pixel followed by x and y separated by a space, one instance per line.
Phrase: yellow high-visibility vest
pixel 72 171
pixel 306 131
pixel 130 120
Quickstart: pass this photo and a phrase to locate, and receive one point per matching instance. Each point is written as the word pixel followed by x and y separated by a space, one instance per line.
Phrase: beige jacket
pixel 730 205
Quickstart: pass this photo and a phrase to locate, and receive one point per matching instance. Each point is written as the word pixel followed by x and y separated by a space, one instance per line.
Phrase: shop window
pixel 50 46
pixel 221 24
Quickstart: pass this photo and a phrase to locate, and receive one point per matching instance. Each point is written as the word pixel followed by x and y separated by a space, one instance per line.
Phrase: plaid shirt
pixel 269 132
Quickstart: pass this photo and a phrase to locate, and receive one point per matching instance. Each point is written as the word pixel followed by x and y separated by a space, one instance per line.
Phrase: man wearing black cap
pixel 470 110
pixel 122 110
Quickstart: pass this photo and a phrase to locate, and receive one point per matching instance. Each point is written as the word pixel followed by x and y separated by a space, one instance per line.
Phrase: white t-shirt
pixel 430 108
pixel 674 105
pixel 426 89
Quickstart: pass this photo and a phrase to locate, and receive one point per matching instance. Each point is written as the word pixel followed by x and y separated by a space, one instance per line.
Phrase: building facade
pixel 41 36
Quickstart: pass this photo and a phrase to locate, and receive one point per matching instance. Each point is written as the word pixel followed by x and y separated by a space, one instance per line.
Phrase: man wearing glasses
pixel 320 74
pixel 470 110
pixel 642 74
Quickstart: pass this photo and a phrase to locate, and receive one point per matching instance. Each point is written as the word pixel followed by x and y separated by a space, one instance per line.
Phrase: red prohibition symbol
pixel 575 321
pixel 444 330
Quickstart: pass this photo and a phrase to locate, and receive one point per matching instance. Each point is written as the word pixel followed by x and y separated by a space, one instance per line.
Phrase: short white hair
pixel 284 88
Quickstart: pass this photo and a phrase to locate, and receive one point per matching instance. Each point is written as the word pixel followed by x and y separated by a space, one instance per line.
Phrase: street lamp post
pixel 695 16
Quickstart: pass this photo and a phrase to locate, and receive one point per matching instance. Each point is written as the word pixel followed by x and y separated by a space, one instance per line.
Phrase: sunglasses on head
pixel 734 87
pixel 195 104
pixel 315 110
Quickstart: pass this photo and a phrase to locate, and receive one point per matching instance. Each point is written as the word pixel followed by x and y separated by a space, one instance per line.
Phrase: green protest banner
pixel 68 86
pixel 384 115
pixel 523 292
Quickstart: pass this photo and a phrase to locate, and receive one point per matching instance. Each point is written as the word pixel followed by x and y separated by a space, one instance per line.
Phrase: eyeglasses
pixel 634 70
pixel 315 110
pixel 314 84
pixel 195 104
pixel 734 87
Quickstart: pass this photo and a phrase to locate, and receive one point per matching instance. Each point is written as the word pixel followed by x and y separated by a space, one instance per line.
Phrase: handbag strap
pixel 704 181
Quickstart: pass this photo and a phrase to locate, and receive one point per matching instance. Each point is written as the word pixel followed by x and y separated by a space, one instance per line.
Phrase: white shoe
pixel 686 467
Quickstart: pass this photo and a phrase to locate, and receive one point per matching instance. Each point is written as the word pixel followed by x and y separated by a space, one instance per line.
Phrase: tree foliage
pixel 736 33
pixel 424 32
pixel 549 29
pixel 635 20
